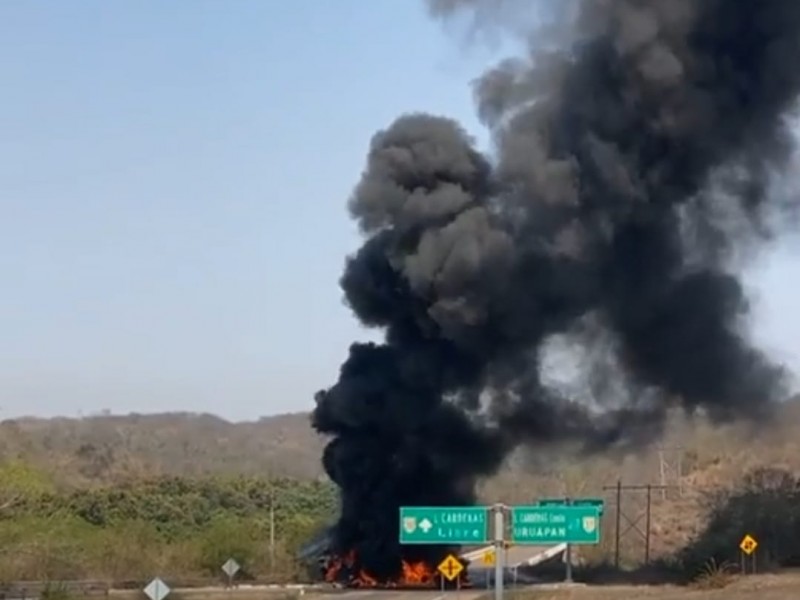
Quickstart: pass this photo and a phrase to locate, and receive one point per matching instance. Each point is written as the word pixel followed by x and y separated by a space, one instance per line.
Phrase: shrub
pixel 767 506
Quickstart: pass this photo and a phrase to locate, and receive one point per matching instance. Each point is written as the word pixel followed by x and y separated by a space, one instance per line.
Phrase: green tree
pixel 230 537
pixel 183 526
pixel 20 483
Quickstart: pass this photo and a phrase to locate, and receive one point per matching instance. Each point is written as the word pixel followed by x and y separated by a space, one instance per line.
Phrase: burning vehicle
pixel 345 571
pixel 636 148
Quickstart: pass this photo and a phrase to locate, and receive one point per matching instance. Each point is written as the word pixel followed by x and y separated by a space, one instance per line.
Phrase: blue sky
pixel 173 179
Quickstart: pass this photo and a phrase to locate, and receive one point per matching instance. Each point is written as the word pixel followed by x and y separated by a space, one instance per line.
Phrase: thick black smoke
pixel 599 216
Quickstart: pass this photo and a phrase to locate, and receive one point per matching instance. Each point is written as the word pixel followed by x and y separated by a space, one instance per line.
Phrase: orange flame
pixel 418 573
pixel 414 574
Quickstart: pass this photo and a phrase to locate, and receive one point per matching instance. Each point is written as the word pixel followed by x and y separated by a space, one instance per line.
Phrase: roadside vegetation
pixel 124 498
pixel 765 505
pixel 169 526
pixel 186 528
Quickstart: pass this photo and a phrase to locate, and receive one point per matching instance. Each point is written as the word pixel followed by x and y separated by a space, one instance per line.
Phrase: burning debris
pixel 346 570
pixel 627 161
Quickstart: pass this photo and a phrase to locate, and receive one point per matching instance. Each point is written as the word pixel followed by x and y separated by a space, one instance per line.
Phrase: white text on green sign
pixel 443 524
pixel 555 524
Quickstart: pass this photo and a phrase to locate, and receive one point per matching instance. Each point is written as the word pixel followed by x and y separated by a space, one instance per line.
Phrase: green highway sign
pixel 542 525
pixel 444 525
pixel 598 502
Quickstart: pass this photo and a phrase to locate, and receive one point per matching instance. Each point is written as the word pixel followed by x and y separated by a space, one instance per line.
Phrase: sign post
pixel 499 538
pixel 451 568
pixel 557 523
pixel 230 568
pixel 748 547
pixel 545 523
pixel 568 557
pixel 489 557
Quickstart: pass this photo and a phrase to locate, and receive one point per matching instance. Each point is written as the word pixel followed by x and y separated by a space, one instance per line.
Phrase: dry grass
pixel 715 576
pixel 768 587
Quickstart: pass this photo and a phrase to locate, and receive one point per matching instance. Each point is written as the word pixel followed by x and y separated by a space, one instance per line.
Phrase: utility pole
pixel 272 497
pixel 272 526
pixel 647 526
pixel 632 522
pixel 618 518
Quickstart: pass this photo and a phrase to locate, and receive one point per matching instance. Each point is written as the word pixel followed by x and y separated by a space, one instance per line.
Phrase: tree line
pixel 184 527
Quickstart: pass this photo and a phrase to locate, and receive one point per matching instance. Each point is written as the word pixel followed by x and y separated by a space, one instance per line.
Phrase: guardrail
pixel 31 590
pixel 188 583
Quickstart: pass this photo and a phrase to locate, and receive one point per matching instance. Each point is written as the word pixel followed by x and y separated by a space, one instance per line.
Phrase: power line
pixel 632 524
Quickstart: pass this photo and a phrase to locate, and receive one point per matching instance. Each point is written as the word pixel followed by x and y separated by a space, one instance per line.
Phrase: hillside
pixel 109 447
pixel 698 461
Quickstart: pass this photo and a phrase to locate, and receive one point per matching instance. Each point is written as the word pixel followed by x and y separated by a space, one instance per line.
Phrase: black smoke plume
pixel 621 157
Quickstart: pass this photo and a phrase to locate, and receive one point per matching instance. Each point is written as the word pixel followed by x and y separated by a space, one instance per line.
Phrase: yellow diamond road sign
pixel 748 544
pixel 488 558
pixel 450 567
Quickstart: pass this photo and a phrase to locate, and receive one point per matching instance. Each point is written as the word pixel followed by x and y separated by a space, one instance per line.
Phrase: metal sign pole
pixel 499 531
pixel 568 555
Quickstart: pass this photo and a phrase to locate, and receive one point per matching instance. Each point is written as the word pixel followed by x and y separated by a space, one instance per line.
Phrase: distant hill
pixel 113 446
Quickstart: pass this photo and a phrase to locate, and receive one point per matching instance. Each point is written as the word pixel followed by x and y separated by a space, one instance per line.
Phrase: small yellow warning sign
pixel 489 558
pixel 748 544
pixel 450 567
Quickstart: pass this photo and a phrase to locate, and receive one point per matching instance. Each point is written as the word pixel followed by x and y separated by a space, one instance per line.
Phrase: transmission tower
pixel 671 470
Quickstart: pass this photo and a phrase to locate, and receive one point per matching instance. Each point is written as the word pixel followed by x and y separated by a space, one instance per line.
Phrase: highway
pixel 479 575
pixel 471 594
